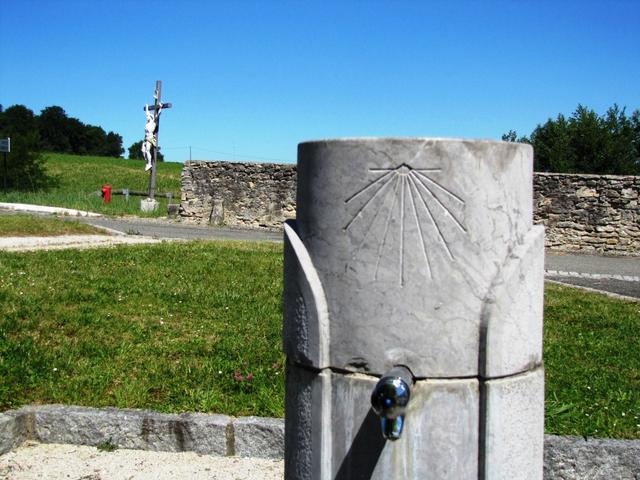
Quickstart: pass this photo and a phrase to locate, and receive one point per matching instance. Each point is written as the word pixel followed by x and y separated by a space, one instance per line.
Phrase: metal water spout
pixel 389 400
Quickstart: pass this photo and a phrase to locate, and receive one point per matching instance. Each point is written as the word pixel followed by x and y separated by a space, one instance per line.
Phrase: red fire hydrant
pixel 106 193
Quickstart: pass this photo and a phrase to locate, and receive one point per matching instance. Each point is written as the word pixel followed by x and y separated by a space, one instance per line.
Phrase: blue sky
pixel 250 80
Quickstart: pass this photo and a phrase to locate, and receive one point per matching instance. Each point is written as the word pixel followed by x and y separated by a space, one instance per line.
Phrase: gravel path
pixel 25 244
pixel 72 462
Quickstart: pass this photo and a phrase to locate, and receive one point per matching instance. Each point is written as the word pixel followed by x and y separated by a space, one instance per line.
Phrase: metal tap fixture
pixel 390 398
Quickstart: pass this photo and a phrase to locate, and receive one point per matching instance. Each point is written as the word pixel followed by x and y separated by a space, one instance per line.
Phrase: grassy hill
pixel 78 180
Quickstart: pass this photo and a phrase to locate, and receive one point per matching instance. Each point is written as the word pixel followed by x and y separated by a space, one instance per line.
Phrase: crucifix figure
pixel 150 130
pixel 150 145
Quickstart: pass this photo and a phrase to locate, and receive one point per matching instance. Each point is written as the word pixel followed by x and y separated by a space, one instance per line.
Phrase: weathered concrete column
pixel 417 253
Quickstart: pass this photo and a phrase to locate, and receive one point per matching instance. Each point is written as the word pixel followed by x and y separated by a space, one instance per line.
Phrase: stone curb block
pixel 132 429
pixel 10 436
pixel 15 428
pixel 205 434
pixel 568 458
pixel 259 437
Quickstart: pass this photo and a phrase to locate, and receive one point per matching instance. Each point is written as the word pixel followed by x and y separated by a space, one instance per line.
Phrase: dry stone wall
pixel 238 194
pixel 589 213
pixel 581 213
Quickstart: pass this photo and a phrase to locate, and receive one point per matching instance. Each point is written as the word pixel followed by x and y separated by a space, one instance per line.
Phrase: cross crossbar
pixel 164 105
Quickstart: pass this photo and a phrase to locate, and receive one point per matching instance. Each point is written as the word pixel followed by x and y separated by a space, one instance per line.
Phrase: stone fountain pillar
pixel 415 253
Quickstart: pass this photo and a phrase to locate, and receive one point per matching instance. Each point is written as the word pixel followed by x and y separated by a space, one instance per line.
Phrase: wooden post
pixel 5 173
pixel 156 107
pixel 152 178
pixel 5 147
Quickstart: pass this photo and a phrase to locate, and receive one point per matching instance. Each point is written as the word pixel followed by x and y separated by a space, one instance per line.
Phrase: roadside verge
pixel 26 207
pixel 26 244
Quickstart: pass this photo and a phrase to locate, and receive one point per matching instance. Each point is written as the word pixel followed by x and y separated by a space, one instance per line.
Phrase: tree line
pixel 54 131
pixel 586 142
pixel 51 131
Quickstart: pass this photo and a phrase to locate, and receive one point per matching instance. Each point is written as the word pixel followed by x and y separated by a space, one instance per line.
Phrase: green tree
pixel 80 137
pixel 512 136
pixel 55 130
pixel 113 145
pixel 25 168
pixel 621 140
pixel 60 133
pixel 552 147
pixel 587 142
pixel 18 119
pixel 135 152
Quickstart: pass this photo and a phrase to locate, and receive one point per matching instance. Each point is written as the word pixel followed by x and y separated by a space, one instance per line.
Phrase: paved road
pixel 620 275
pixel 593 264
pixel 162 228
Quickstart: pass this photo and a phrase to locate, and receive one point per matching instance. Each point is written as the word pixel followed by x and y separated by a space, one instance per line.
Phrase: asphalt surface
pixel 593 264
pixel 617 275
pixel 163 228
pixel 166 228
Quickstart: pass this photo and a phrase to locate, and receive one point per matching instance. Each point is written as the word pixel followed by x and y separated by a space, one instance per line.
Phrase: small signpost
pixel 5 147
pixel 150 145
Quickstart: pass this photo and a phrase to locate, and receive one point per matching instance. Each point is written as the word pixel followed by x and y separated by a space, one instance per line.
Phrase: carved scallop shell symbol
pixel 409 197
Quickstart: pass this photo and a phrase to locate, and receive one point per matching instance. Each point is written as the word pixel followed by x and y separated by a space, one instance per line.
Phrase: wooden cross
pixel 164 105
pixel 157 106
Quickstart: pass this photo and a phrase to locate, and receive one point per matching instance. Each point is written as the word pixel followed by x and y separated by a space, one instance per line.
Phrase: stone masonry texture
pixel 242 194
pixel 581 213
pixel 589 213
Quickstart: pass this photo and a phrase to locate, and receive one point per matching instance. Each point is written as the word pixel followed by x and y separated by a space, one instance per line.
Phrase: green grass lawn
pixel 78 178
pixel 197 327
pixel 20 225
pixel 176 327
pixel 592 360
